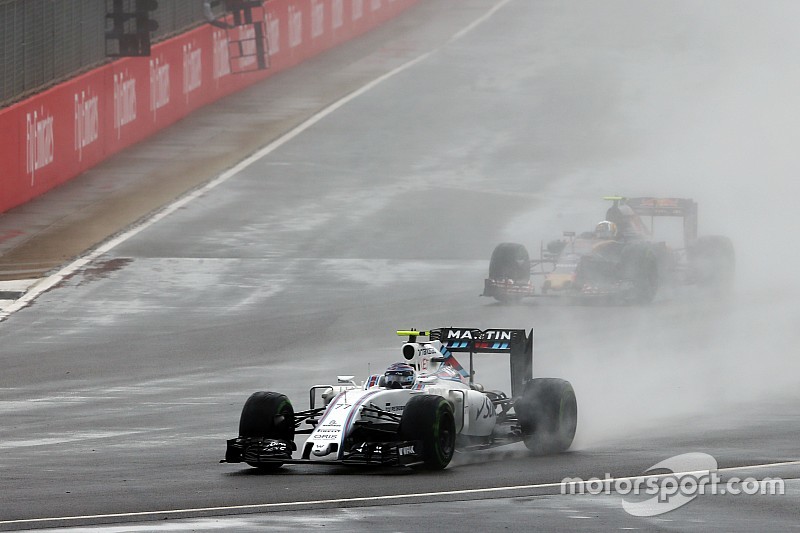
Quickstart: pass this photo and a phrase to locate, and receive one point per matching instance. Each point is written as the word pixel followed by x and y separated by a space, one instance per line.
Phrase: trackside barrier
pixel 55 135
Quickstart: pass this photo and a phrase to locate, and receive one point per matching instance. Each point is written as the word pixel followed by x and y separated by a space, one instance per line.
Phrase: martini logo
pixel 489 335
pixel 497 335
pixel 459 334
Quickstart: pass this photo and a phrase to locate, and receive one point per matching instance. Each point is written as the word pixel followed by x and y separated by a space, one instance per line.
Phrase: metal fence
pixel 43 42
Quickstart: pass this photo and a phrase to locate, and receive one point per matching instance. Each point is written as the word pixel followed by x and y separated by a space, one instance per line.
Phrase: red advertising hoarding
pixel 57 134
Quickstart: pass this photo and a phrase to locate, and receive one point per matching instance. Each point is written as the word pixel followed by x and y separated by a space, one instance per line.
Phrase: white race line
pixel 479 21
pixel 47 283
pixel 364 499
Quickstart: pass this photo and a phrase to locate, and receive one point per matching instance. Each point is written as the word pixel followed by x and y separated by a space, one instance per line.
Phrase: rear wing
pixel 518 343
pixel 662 207
pixel 647 206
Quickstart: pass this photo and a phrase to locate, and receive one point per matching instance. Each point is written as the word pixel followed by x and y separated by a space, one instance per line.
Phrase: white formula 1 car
pixel 418 413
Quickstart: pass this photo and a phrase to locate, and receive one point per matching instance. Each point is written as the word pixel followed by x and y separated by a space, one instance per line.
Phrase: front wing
pixel 507 289
pixel 263 452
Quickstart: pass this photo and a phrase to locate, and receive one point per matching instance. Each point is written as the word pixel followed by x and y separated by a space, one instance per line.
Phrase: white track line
pixel 365 499
pixel 52 280
pixel 479 21
pixel 47 283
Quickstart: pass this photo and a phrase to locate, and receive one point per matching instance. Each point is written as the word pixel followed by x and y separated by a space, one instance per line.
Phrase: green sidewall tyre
pixel 267 415
pixel 429 418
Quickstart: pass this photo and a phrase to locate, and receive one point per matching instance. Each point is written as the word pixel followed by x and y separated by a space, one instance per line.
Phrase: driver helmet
pixel 605 230
pixel 399 376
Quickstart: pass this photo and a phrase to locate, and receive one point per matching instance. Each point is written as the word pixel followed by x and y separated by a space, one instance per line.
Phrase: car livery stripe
pixel 491 346
pixel 453 362
pixel 328 411
pixel 462 344
pixel 349 420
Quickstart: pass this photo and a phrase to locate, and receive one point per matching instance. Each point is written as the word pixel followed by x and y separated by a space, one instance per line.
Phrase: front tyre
pixel 510 262
pixel 429 418
pixel 268 415
pixel 548 415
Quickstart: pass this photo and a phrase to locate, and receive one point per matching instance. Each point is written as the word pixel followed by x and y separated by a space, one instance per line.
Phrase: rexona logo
pixel 317 19
pixel 295 27
pixel 220 55
pixel 159 84
pixel 358 9
pixel 40 141
pixel 124 100
pixel 87 123
pixel 273 33
pixel 192 69
pixel 337 13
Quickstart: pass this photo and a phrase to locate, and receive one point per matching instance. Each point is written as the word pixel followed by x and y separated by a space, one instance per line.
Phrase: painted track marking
pixel 362 499
pixel 50 281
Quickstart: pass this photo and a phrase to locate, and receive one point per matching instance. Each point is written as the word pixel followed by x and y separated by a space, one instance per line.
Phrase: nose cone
pixel 321 449
pixel 559 281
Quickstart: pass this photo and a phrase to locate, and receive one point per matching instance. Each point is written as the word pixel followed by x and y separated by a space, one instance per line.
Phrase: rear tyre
pixel 429 418
pixel 510 261
pixel 267 415
pixel 548 415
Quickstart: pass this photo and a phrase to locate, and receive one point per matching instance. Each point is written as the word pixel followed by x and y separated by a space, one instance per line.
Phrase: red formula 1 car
pixel 620 259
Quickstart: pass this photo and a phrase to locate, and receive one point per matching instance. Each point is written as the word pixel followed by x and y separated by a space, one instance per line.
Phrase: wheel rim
pixel 446 437
pixel 568 417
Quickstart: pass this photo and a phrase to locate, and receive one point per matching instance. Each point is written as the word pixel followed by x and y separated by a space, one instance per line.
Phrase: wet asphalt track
pixel 120 386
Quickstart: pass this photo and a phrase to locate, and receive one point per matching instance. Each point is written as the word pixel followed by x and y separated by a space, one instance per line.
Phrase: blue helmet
pixel 399 376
